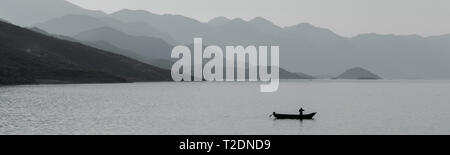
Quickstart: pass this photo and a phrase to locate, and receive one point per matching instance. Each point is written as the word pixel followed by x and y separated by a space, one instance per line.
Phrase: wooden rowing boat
pixel 291 116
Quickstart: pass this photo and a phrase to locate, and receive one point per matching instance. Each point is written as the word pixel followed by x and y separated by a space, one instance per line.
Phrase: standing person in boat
pixel 301 111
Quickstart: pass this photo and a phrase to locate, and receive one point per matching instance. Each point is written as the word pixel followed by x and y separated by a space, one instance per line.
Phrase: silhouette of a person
pixel 301 111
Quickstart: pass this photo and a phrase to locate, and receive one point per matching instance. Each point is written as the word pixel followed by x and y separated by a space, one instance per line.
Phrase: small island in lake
pixel 358 73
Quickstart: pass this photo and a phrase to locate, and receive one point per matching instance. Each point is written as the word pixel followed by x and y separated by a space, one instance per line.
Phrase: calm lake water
pixel 344 107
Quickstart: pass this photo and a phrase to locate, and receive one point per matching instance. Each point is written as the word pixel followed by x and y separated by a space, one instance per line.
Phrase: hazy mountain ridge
pixel 97 39
pixel 358 73
pixel 147 47
pixel 71 25
pixel 320 51
pixel 28 12
pixel 167 63
pixel 180 27
pixel 241 32
pixel 106 46
pixel 30 57
pixel 265 25
pixel 307 48
pixel 218 21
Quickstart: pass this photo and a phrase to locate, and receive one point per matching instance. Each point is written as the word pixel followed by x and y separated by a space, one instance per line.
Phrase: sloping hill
pixel 358 73
pixel 305 76
pixel 218 21
pixel 71 25
pixel 31 57
pixel 148 47
pixel 28 12
pixel 2 20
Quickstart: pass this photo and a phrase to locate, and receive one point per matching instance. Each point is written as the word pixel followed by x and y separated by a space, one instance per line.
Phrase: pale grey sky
pixel 345 17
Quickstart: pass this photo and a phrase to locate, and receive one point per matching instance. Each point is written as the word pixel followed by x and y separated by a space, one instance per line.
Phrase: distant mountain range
pixel 29 57
pixel 148 47
pixel 71 25
pixel 314 50
pixel 304 48
pixel 28 12
pixel 218 21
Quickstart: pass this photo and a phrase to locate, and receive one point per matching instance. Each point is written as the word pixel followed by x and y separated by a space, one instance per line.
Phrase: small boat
pixel 290 116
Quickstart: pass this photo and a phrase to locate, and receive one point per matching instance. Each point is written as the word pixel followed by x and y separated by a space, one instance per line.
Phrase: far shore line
pixel 281 80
